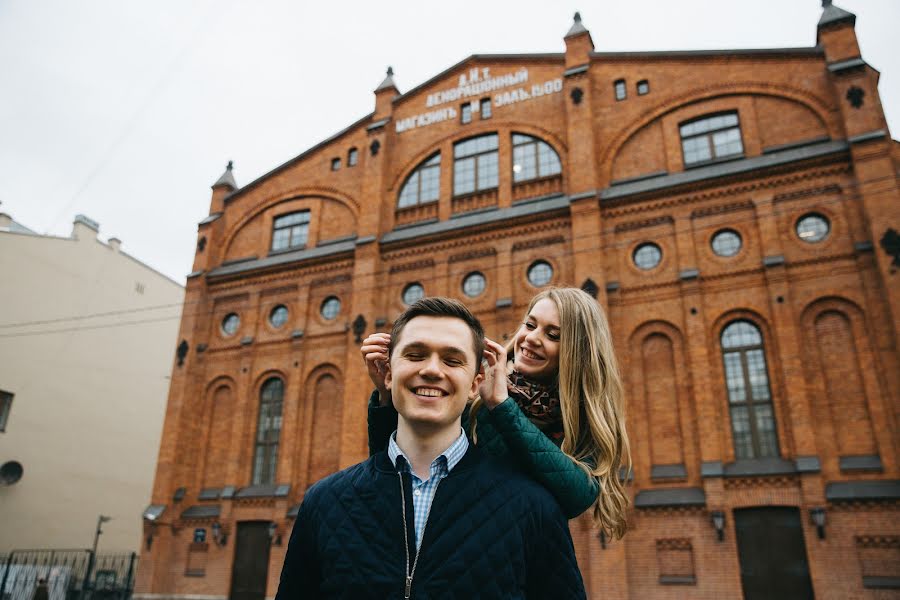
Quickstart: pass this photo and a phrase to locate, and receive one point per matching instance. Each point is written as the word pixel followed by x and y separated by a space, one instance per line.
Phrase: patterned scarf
pixel 540 403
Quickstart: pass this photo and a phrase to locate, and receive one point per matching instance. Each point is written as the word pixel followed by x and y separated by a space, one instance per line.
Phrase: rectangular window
pixel 710 138
pixel 5 406
pixel 290 231
pixel 620 90
pixel 352 157
pixel 485 108
pixel 335 164
pixel 465 113
pixel 643 87
pixel 475 165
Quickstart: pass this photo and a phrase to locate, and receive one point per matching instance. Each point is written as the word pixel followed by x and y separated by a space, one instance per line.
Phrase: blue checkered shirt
pixel 423 491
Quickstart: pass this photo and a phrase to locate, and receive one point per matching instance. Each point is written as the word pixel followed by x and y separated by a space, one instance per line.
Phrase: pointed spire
pixel 388 82
pixel 227 179
pixel 833 14
pixel 576 27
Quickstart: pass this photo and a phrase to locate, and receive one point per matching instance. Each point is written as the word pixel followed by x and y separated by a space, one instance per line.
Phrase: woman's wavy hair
pixel 592 401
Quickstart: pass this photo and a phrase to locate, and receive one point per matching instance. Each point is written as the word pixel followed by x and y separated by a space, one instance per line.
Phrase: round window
pixel 813 228
pixel 647 256
pixel 540 273
pixel 331 307
pixel 412 293
pixel 278 316
pixel 11 472
pixel 473 284
pixel 230 324
pixel 726 242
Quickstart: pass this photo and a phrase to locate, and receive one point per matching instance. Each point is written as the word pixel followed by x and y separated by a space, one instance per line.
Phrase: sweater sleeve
pixel 574 489
pixel 382 421
pixel 300 575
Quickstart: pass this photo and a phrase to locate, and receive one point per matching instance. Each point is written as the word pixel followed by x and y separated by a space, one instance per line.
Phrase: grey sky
pixel 128 111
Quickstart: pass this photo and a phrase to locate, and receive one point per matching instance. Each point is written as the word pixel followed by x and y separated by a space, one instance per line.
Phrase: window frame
pixel 490 108
pixel 724 231
pixel 476 157
pixel 406 289
pixel 6 400
pixel 534 265
pixel 645 83
pixel 709 135
pixel 432 163
pixel 271 317
pixel 620 90
pixel 465 113
pixel 641 246
pixel 237 327
pixel 538 143
pixel 336 163
pixel 326 301
pixel 290 240
pixel 352 157
pixel 813 215
pixel 749 403
pixel 470 277
pixel 265 451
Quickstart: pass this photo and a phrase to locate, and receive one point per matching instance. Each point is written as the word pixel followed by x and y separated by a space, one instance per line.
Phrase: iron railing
pixel 67 575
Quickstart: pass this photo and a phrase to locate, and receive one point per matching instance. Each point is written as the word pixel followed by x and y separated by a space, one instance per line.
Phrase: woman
pixel 552 399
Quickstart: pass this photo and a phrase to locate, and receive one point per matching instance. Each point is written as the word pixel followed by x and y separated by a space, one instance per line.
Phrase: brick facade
pixel 827 314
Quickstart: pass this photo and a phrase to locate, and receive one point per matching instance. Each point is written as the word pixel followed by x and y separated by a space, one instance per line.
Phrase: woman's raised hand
pixel 493 387
pixel 374 351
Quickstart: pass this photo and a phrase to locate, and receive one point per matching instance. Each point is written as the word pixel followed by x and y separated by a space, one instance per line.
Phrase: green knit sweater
pixel 505 430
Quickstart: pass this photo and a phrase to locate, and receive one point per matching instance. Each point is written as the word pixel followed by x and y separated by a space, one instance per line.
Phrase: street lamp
pixel 101 519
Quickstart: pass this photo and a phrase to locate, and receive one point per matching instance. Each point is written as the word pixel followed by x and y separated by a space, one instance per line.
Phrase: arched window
pixel 533 158
pixel 268 432
pixel 749 397
pixel 423 185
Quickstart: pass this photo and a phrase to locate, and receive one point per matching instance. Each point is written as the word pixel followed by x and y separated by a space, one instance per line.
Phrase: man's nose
pixel 431 366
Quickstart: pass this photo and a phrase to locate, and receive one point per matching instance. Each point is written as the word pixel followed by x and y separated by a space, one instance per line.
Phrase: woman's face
pixel 537 341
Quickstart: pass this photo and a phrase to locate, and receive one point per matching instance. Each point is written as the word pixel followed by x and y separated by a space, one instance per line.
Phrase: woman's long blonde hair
pixel 592 402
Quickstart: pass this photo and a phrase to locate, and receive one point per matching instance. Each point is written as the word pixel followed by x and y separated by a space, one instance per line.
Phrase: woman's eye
pixel 529 325
pixel 553 336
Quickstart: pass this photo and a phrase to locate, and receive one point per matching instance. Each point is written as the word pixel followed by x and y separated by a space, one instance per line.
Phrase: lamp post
pixel 101 519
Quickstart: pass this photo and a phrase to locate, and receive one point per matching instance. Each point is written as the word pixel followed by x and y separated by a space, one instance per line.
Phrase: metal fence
pixel 66 575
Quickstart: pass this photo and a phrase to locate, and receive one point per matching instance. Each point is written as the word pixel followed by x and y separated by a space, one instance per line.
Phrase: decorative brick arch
pixel 660 382
pixel 837 339
pixel 211 455
pixel 810 101
pixel 298 193
pixel 323 390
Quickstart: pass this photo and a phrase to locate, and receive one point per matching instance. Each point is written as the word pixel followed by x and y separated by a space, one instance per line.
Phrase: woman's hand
pixel 493 387
pixel 374 351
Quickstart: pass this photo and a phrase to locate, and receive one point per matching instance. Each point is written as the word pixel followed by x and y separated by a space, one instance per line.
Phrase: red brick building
pixel 735 213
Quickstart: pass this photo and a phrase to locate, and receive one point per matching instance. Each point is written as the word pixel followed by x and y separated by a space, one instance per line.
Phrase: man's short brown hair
pixel 438 306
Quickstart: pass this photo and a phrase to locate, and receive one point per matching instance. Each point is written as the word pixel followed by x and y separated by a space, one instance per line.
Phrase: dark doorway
pixel 772 553
pixel 251 561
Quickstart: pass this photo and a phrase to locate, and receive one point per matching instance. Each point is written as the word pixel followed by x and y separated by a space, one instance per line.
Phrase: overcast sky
pixel 128 111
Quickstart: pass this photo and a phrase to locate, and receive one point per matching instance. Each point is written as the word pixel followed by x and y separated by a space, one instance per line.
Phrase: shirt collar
pixel 453 454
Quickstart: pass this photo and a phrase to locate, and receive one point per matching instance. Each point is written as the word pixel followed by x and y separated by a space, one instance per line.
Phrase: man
pixel 431 517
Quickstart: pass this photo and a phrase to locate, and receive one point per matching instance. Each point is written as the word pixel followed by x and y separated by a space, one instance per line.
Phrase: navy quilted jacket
pixel 506 431
pixel 491 533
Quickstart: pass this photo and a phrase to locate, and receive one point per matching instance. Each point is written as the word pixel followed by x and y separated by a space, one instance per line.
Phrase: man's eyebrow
pixel 453 350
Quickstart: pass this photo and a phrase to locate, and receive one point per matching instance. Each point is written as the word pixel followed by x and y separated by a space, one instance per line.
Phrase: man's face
pixel 433 371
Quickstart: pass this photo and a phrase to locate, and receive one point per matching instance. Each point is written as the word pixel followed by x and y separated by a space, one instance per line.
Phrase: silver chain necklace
pixel 411 573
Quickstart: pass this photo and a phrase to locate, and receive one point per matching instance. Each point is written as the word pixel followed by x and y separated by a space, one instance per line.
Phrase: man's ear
pixel 476 383
pixel 387 374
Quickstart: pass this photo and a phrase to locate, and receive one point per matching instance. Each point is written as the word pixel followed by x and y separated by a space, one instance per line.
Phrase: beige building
pixel 87 346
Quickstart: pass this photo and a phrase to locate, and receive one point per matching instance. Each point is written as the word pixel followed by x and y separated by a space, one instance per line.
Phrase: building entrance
pixel 772 553
pixel 251 561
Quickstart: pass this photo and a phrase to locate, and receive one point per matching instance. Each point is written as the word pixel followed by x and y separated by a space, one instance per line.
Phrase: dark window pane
pixel 740 429
pixel 423 185
pixel 734 377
